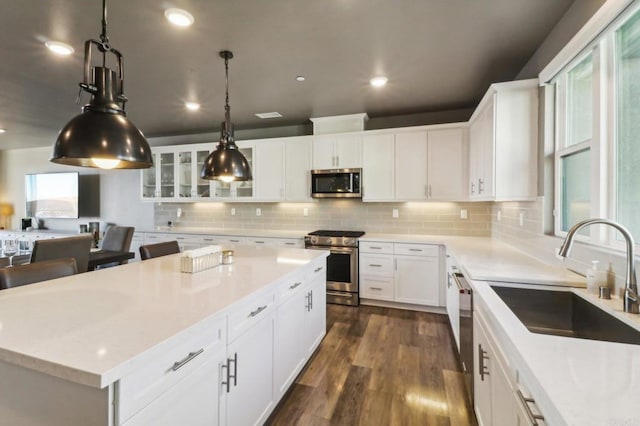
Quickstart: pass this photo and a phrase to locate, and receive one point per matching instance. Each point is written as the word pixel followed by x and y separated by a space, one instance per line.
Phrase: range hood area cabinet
pixel 416 164
pixel 341 151
pixel 503 143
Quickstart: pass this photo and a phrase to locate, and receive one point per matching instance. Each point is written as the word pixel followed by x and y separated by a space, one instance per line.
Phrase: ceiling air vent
pixel 264 115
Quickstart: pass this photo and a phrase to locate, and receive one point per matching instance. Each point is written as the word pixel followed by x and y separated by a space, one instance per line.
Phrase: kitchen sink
pixel 563 313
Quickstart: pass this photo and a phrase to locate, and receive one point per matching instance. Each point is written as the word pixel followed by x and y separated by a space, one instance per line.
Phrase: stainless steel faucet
pixel 631 297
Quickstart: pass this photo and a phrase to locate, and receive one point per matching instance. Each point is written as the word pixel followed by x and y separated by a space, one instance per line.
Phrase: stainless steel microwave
pixel 336 183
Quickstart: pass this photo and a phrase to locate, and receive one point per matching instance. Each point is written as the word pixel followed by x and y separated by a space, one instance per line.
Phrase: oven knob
pixel 346 241
pixel 314 240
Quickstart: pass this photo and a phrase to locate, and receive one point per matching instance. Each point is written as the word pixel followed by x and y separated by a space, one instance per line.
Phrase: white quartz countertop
pixel 487 259
pixel 92 328
pixel 574 381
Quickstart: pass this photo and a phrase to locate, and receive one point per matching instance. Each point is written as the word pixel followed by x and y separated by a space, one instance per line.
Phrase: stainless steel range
pixel 342 263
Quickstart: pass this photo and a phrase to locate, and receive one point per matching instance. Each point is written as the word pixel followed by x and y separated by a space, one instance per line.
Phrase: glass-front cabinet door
pixel 166 166
pixel 203 186
pixel 236 190
pixel 149 180
pixel 185 172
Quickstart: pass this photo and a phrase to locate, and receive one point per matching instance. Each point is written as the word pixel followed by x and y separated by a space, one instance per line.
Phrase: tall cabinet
pixel 503 138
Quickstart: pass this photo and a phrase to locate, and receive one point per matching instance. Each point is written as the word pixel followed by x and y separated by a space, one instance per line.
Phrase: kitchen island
pixel 144 343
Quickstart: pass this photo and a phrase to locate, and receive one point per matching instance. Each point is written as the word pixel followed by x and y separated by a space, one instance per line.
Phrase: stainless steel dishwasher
pixel 466 331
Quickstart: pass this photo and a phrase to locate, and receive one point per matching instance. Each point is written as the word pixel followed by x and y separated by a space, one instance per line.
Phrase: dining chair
pixel 117 238
pixel 36 272
pixel 150 251
pixel 77 247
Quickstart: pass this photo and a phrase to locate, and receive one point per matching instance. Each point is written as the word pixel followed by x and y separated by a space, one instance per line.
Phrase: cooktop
pixel 348 234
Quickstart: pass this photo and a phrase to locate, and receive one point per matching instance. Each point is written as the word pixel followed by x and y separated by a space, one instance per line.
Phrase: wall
pixel 531 240
pixel 119 190
pixel 570 23
pixel 414 218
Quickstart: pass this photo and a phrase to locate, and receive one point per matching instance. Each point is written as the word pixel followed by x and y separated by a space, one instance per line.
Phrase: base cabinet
pixel 401 272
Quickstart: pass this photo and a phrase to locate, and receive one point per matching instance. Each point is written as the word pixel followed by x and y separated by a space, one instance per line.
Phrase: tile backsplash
pixel 436 218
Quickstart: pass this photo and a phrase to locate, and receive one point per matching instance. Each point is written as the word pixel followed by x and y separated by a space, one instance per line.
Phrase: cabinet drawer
pixel 261 242
pixel 416 249
pixel 250 312
pixel 317 270
pixel 376 247
pixel 376 288
pixel 376 264
pixel 289 287
pixel 185 354
pixel 290 242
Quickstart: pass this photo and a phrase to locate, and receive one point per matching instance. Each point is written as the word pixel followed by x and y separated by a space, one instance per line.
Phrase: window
pixel 627 166
pixel 597 159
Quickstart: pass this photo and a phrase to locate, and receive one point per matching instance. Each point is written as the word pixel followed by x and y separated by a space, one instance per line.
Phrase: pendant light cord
pixel 227 108
pixel 104 38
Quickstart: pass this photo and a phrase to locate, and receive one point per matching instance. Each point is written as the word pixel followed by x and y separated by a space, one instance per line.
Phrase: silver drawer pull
pixel 415 249
pixel 318 269
pixel 257 311
pixel 290 244
pixel 179 364
pixel 375 288
pixel 259 242
pixel 375 265
pixel 375 248
pixel 295 285
pixel 533 418
pixel 234 241
pixel 208 239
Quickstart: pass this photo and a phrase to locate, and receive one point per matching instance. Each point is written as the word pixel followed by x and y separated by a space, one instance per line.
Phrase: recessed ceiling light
pixel 59 48
pixel 300 78
pixel 179 17
pixel 192 106
pixel 268 115
pixel 3 130
pixel 378 81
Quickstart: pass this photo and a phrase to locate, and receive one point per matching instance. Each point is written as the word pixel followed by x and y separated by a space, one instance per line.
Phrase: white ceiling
pixel 437 54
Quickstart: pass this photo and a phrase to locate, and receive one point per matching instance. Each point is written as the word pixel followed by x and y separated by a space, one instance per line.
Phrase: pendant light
pixel 226 163
pixel 102 136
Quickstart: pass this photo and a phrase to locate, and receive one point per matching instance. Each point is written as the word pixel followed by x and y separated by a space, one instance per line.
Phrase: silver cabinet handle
pixel 375 265
pixel 375 248
pixel 473 188
pixel 259 242
pixel 375 288
pixel 318 269
pixel 179 364
pixel 412 249
pixel 429 191
pixel 480 186
pixel 306 303
pixel 311 300
pixel 449 280
pixel 291 244
pixel 533 418
pixel 257 311
pixel 295 285
pixel 230 376
pixel 482 368
pixel 234 241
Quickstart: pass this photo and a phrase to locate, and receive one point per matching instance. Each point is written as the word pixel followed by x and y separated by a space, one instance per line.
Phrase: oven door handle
pixel 331 293
pixel 334 250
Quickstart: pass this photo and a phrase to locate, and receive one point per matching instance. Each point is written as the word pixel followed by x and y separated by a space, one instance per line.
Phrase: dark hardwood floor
pixel 379 366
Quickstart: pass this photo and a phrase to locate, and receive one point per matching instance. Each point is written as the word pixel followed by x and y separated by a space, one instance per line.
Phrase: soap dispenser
pixel 592 286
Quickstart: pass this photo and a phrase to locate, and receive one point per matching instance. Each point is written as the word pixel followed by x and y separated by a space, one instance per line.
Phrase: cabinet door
pixel 149 180
pixel 202 186
pixel 269 171
pixel 503 402
pixel 251 394
pixel 378 167
pixel 444 164
pixel 482 380
pixel 167 167
pixel 482 152
pixel 316 306
pixel 289 340
pixel 348 151
pixel 297 158
pixel 417 280
pixel 194 400
pixel 323 154
pixel 245 190
pixel 475 148
pixel 185 175
pixel 411 166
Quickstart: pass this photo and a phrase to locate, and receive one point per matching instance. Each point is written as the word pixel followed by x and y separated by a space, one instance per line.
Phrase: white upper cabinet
pixel 159 181
pixel 269 172
pixel 411 166
pixel 378 171
pixel 503 137
pixel 297 158
pixel 337 151
pixel 445 164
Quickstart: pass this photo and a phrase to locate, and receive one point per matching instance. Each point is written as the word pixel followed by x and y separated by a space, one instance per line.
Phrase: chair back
pixel 117 238
pixel 159 249
pixel 36 272
pixel 77 247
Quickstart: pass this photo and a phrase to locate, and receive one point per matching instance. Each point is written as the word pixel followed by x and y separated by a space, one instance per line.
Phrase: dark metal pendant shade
pixel 226 162
pixel 102 136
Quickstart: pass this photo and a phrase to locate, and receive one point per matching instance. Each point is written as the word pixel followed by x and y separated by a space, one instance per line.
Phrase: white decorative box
pixel 200 259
